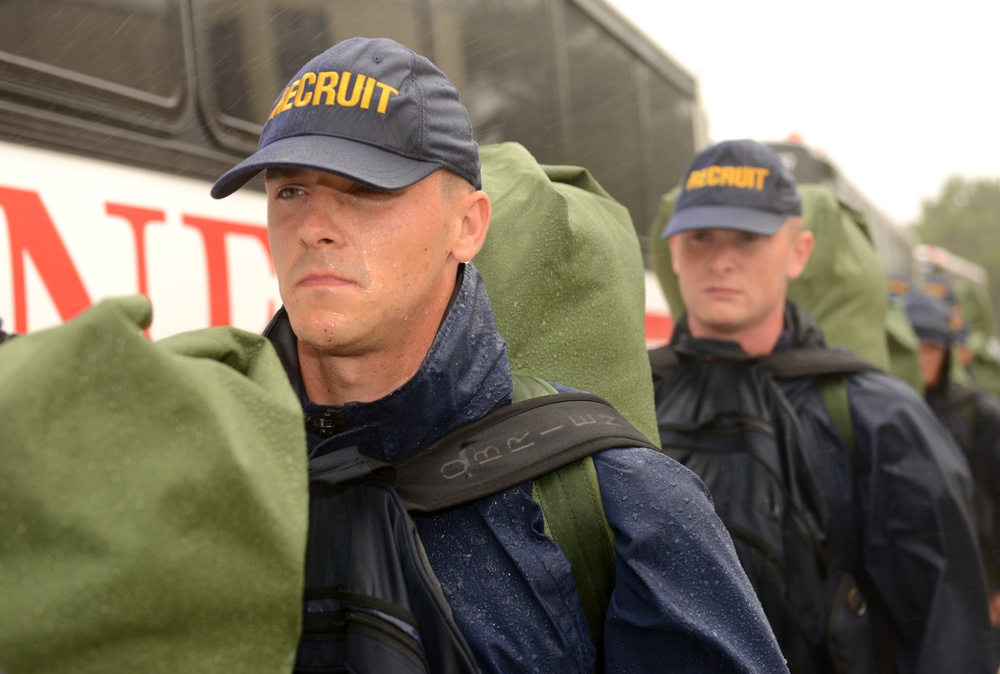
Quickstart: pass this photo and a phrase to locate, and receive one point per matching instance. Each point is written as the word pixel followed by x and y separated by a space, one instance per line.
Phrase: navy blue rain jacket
pixel 906 519
pixel 973 417
pixel 681 602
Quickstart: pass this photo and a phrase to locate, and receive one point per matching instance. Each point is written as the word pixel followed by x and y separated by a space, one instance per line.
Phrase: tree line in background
pixel 965 219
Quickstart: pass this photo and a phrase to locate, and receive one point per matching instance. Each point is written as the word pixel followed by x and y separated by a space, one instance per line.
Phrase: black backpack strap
pixel 511 445
pixel 785 364
pixel 814 361
pixel 548 439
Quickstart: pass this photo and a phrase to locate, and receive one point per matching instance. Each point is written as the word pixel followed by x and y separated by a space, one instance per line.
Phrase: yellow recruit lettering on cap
pixel 743 177
pixel 345 83
pixel 334 88
pixel 938 290
pixel 282 103
pixel 366 101
pixel 326 83
pixel 307 79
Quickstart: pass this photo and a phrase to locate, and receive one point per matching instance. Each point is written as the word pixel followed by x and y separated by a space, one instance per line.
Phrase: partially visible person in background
pixel 893 503
pixel 972 416
pixel 940 287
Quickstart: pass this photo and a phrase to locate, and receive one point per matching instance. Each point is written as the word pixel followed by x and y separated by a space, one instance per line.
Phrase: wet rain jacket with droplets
pixel 681 602
pixel 906 520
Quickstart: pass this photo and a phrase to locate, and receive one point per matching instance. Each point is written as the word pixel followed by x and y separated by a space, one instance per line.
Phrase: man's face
pixel 732 281
pixel 359 269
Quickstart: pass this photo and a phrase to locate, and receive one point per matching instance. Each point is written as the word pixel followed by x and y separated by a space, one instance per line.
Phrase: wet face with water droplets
pixel 359 268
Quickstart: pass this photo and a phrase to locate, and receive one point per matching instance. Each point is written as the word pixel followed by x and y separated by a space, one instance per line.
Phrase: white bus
pixel 117 115
pixel 895 244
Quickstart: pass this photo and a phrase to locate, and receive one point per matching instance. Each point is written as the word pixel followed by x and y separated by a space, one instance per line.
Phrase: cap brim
pixel 934 337
pixel 739 218
pixel 351 159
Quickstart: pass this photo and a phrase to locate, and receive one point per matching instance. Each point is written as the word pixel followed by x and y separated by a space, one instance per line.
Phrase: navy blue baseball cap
pixel 736 184
pixel 930 317
pixel 941 287
pixel 370 110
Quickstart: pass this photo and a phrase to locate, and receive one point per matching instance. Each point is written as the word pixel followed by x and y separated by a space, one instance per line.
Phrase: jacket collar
pixel 464 376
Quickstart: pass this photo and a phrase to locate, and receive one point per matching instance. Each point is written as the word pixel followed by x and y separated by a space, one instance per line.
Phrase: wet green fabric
pixel 842 287
pixel 984 369
pixel 977 309
pixel 153 500
pixel 904 346
pixel 564 272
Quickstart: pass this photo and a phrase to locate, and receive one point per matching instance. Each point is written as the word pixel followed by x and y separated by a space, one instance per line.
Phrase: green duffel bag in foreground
pixel 153 500
pixel 563 269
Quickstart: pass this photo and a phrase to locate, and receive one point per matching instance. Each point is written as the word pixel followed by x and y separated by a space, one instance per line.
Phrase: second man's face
pixel 733 281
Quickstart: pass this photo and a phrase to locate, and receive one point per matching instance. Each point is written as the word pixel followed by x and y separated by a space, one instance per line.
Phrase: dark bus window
pixel 244 87
pixel 108 58
pixel 669 145
pixel 501 57
pixel 558 76
pixel 300 34
pixel 604 108
pixel 253 47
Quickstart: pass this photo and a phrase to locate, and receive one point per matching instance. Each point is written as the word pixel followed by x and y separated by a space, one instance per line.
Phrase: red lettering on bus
pixel 32 233
pixel 213 233
pixel 138 218
pixel 659 328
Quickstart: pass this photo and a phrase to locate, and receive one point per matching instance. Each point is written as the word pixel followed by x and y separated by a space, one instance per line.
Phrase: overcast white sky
pixel 899 95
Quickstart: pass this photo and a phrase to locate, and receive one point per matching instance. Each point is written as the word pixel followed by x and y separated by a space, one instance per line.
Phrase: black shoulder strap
pixel 509 446
pixel 785 364
pixel 814 361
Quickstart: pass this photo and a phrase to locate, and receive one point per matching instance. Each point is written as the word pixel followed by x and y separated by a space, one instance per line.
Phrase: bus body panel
pixel 75 230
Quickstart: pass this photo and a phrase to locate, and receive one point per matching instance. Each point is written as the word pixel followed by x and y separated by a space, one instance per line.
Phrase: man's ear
pixel 802 248
pixel 475 211
pixel 672 245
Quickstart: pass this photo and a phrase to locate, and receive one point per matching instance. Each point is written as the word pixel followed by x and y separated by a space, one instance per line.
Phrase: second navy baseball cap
pixel 735 184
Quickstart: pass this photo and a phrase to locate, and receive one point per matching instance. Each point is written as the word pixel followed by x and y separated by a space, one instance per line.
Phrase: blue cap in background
pixel 941 287
pixel 930 317
pixel 736 184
